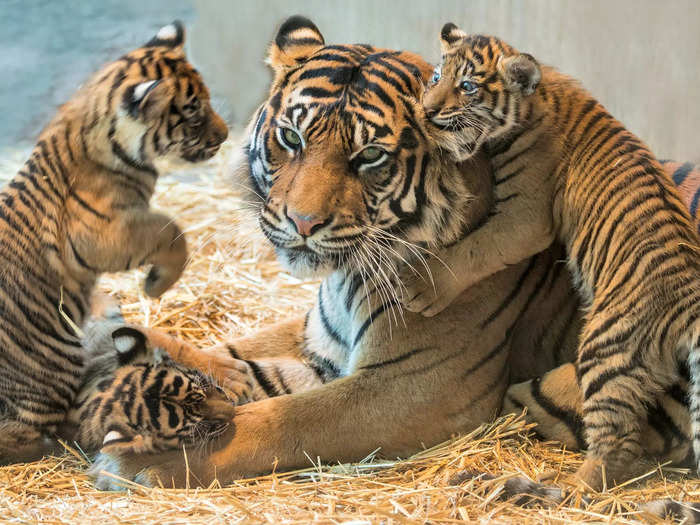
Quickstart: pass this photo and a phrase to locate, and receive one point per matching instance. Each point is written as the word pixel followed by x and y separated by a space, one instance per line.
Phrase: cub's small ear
pixel 297 39
pixel 451 36
pixel 520 73
pixel 172 35
pixel 129 343
pixel 148 99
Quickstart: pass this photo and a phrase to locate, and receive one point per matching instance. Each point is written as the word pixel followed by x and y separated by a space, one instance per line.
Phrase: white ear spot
pixel 143 88
pixel 159 355
pixel 112 435
pixel 168 32
pixel 124 343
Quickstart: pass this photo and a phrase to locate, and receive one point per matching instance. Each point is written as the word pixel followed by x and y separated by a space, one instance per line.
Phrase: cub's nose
pixel 306 224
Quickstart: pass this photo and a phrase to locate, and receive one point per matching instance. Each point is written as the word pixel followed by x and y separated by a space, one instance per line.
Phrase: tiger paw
pixel 169 262
pixel 117 468
pixel 233 375
pixel 121 469
pixel 429 295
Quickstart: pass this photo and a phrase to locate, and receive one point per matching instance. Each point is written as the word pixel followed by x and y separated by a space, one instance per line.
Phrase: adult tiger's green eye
pixel 291 137
pixel 371 154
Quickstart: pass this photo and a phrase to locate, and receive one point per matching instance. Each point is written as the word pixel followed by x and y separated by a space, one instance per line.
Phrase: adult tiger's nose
pixel 306 225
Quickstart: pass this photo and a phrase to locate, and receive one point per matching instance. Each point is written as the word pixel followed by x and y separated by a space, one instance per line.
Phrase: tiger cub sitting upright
pixel 136 398
pixel 80 207
pixel 566 169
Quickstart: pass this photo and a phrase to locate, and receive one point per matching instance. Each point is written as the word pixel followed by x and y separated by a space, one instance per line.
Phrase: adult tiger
pixel 347 378
pixel 79 207
pixel 565 170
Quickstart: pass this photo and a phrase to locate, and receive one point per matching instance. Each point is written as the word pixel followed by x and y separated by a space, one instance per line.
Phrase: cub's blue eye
pixel 469 87
pixel 436 77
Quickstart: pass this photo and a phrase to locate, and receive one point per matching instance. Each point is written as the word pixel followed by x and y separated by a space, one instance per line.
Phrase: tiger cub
pixel 566 170
pixel 134 396
pixel 79 207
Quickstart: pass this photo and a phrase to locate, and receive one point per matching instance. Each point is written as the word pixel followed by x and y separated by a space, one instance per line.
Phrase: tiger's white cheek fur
pixel 129 132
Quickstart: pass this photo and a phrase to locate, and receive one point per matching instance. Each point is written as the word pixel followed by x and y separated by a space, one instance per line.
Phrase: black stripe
pixel 398 359
pixel 572 421
pixel 88 207
pixel 263 381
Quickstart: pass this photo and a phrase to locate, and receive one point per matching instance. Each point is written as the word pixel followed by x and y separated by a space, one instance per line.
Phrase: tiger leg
pixel 554 403
pixel 618 387
pixel 342 420
pixel 484 251
pixel 20 443
pixel 153 238
pixel 267 364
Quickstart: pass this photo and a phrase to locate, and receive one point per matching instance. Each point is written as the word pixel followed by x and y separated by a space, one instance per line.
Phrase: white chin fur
pixel 301 270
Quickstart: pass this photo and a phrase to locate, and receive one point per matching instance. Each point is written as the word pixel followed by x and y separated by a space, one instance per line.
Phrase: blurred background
pixel 640 58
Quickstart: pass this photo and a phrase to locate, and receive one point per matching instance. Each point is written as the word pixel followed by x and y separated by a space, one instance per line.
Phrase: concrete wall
pixel 641 58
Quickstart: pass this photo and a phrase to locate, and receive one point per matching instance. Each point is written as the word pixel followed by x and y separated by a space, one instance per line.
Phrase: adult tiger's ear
pixel 297 39
pixel 149 98
pixel 129 342
pixel 520 73
pixel 451 36
pixel 172 36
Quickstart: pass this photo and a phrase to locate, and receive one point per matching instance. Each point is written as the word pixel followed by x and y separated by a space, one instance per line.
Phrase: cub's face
pixel 478 91
pixel 338 152
pixel 160 402
pixel 158 107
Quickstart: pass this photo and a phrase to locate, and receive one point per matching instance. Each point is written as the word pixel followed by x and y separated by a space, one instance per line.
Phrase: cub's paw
pixel 116 468
pixel 169 260
pixel 430 295
pixel 159 279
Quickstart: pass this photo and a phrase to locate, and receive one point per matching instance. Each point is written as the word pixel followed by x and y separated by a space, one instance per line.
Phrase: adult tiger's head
pixel 339 156
pixel 150 104
pixel 135 396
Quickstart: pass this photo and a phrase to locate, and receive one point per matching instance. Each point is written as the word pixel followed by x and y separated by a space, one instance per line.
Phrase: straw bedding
pixel 231 287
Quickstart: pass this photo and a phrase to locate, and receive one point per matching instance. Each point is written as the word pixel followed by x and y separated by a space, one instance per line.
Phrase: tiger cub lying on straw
pixel 79 207
pixel 566 170
pixel 135 397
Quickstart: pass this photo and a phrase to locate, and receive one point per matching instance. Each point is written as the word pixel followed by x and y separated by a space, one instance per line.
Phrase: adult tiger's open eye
pixel 291 138
pixel 469 87
pixel 370 154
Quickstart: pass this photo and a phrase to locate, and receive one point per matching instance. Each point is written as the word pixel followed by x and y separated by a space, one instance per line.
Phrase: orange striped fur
pixel 565 169
pixel 135 397
pixel 80 207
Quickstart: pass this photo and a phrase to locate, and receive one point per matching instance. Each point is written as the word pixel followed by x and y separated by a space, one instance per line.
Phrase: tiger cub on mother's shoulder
pixel 566 170
pixel 80 207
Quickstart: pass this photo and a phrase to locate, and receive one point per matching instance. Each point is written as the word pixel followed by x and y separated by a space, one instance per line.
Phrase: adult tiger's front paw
pixel 429 295
pixel 233 375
